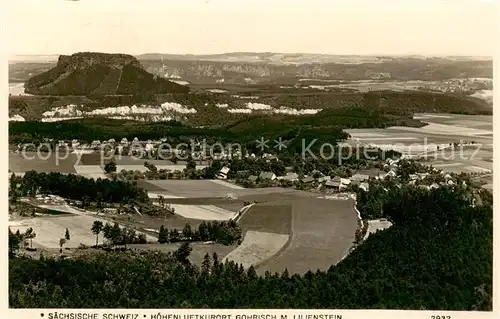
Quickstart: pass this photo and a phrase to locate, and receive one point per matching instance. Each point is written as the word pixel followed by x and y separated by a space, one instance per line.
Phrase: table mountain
pixel 99 74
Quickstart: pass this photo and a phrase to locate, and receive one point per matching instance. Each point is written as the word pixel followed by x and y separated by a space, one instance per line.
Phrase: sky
pixel 364 27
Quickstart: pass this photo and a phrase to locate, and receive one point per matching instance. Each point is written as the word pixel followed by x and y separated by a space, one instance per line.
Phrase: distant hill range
pixel 268 57
pixel 99 74
pixel 297 58
pixel 240 68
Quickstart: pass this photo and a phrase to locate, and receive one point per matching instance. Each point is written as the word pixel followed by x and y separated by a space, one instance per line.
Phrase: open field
pixel 41 162
pixel 322 233
pixel 204 188
pixel 202 212
pixel 442 129
pixel 50 229
pixel 256 248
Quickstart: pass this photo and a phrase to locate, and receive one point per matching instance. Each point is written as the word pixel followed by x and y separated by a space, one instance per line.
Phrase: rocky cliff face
pixel 87 59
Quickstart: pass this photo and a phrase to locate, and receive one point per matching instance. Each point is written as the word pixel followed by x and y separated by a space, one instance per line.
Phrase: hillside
pixel 99 74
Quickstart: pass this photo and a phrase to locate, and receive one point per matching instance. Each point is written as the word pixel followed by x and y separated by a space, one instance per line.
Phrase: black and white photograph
pixel 250 155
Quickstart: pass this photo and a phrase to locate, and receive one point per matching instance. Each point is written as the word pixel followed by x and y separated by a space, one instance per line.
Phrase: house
pixel 338 183
pixel 333 183
pixel 345 181
pixel 223 172
pixel 124 141
pixel 267 176
pixel 75 143
pixel 422 175
pixel 451 182
pixel 434 186
pixel 391 173
pixel 392 162
pixel 95 143
pixel 447 177
pixel 364 186
pixel 252 178
pixel 359 177
pixel 149 147
pixel 324 179
pixel 413 177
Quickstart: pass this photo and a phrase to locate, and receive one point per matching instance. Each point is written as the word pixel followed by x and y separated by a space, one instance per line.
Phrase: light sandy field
pixel 202 212
pixel 227 184
pixel 256 248
pixel 444 129
pixel 88 169
pixel 157 195
pixel 477 169
pixel 432 116
pixel 366 134
pixel 376 225
pixel 51 228
pixel 397 138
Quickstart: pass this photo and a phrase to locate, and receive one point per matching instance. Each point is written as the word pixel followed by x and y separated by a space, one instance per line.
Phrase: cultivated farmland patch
pixel 272 218
pixel 322 233
pixel 41 162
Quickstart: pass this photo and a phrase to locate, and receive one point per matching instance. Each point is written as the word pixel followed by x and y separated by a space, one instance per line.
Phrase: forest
pixel 437 256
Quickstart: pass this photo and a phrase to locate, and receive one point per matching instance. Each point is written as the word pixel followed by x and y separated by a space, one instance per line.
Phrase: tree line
pixel 115 235
pixel 226 233
pixel 76 187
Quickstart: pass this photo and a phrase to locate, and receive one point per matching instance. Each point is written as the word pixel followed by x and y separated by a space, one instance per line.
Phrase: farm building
pixel 324 179
pixel 338 183
pixel 223 172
